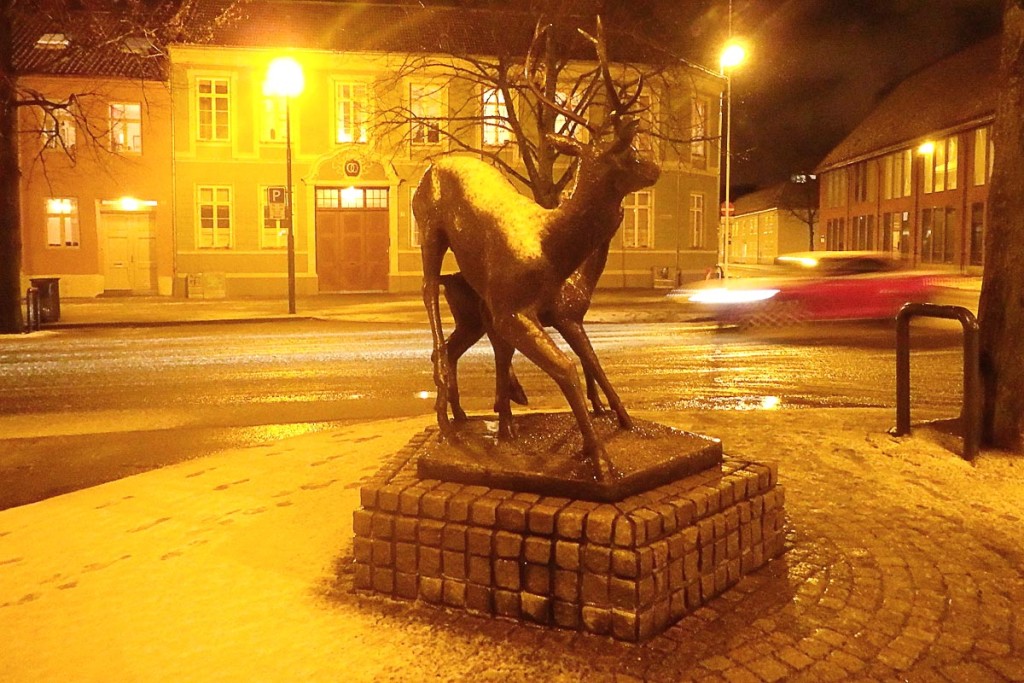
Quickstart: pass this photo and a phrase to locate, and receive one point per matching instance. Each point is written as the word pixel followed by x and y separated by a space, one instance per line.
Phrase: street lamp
pixel 732 56
pixel 285 79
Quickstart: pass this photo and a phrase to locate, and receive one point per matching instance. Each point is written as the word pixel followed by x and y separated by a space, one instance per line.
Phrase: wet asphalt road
pixel 85 406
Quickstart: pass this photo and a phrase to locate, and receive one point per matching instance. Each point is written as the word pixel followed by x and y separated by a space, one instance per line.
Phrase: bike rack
pixel 970 412
pixel 33 314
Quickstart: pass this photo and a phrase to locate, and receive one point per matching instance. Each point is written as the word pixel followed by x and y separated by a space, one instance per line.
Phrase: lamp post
pixel 285 79
pixel 732 56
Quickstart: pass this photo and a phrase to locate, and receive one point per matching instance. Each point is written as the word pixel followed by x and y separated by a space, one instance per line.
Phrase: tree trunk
pixel 10 188
pixel 1001 308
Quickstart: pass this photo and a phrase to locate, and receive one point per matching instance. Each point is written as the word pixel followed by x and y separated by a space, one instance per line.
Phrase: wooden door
pixel 352 249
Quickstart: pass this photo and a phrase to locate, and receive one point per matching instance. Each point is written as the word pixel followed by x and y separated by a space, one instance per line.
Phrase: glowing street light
pixel 285 79
pixel 732 56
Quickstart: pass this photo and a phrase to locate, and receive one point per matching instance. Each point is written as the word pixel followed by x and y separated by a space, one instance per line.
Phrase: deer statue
pixel 516 255
pixel 565 313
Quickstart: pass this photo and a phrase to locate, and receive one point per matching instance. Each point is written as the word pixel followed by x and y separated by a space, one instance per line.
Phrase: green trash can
pixel 49 298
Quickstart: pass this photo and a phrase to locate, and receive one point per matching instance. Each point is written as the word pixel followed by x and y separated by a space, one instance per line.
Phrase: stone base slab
pixel 548 459
pixel 628 570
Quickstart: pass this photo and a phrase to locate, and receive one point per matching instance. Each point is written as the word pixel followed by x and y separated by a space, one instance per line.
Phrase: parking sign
pixel 276 200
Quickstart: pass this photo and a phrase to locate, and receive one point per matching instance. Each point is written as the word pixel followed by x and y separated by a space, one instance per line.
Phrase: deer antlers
pixel 617 109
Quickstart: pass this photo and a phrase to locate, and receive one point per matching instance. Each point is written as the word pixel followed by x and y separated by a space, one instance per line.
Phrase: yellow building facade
pixel 96 198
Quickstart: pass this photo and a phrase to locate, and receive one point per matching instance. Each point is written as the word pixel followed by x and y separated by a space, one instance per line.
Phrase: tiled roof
pixel 955 91
pixel 785 195
pixel 412 28
pixel 96 46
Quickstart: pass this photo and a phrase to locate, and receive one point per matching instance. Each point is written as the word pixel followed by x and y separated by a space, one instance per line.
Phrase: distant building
pixel 183 208
pixel 96 173
pixel 776 220
pixel 912 179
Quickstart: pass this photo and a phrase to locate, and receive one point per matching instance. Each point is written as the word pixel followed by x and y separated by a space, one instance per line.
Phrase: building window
pixel 351 112
pixel 62 222
pixel 835 188
pixel 940 166
pixel 977 251
pixel 896 169
pixel 564 125
pixel 699 132
pixel 862 233
pixel 352 198
pixel 496 131
pixel 983 153
pixel 126 127
pixel 214 217
pixel 637 224
pixel 274 119
pixel 273 227
pixel 863 182
pixel 896 233
pixel 426 103
pixel 938 238
pixel 835 234
pixel 213 101
pixel 59 130
pixel 697 220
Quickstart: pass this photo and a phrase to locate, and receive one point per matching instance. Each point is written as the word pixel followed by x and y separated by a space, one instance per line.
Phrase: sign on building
pixel 277 200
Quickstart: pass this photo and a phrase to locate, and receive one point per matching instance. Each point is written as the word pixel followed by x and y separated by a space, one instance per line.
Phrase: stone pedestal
pixel 628 569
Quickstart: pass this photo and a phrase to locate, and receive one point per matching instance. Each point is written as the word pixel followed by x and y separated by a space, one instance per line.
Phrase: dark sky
pixel 816 67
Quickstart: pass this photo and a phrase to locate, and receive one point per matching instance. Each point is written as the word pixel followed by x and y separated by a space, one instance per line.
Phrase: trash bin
pixel 49 298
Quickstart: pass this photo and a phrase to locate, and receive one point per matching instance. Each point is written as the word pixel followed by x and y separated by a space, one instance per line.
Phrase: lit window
pixel 697 220
pixel 59 129
pixel 62 222
pixel 941 165
pixel 495 114
pixel 699 132
pixel 351 112
pixel 637 225
pixel 214 217
pixel 126 127
pixel 643 111
pixel 138 45
pixel 274 118
pixel 213 101
pixel 328 198
pixel 52 41
pixel 982 155
pixel 426 104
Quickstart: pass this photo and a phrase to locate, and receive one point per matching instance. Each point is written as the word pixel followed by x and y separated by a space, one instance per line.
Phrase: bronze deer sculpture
pixel 565 313
pixel 516 255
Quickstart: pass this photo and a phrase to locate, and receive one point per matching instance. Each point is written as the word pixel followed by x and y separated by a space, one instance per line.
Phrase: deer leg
pixel 529 338
pixel 433 249
pixel 460 340
pixel 579 342
pixel 503 375
pixel 592 393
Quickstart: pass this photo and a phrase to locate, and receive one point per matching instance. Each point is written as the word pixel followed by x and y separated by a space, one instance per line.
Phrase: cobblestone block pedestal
pixel 627 570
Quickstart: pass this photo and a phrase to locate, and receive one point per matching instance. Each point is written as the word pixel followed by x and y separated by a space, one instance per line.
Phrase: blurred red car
pixel 814 285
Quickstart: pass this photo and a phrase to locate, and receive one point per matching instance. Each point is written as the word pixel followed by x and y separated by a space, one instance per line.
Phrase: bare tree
pixel 1001 309
pixel 516 117
pixel 68 33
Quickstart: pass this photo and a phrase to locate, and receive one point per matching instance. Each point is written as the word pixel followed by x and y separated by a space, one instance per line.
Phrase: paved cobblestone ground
pixel 903 563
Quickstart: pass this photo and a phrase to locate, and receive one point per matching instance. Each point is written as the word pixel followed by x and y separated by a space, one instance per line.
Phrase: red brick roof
pixel 956 91
pixel 97 45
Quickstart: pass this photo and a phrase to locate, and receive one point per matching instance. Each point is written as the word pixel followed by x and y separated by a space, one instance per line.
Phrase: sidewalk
pixel 903 563
pixel 608 306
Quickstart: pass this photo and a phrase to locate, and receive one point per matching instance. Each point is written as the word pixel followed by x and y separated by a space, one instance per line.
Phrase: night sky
pixel 816 68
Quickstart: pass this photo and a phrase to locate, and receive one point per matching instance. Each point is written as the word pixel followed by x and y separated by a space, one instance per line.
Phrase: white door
pixel 128 254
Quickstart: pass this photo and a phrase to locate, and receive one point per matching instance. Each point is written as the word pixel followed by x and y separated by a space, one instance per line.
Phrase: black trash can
pixel 49 298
